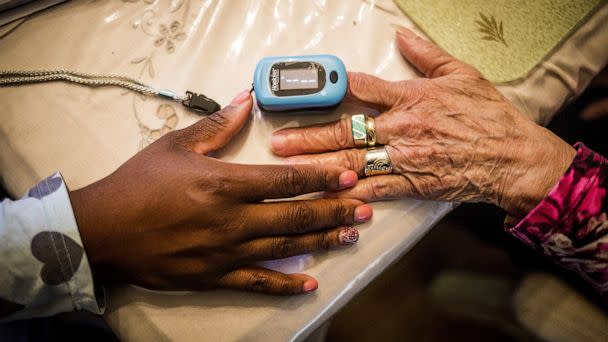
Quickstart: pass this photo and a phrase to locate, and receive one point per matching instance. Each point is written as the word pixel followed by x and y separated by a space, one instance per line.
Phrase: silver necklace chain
pixel 196 102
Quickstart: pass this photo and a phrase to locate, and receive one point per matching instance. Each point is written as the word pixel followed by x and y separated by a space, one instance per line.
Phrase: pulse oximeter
pixel 299 83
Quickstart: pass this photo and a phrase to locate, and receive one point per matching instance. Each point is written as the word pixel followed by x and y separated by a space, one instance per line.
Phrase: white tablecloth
pixel 212 47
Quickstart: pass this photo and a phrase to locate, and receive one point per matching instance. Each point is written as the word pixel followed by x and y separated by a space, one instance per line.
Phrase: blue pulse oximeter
pixel 288 83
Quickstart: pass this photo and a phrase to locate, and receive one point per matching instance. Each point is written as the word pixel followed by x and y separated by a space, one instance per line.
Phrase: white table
pixel 87 133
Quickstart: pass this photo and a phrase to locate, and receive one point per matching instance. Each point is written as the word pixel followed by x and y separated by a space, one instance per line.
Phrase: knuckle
pixel 281 286
pixel 379 190
pixel 410 183
pixel 420 186
pixel 324 241
pixel 218 119
pixel 291 181
pixel 443 65
pixel 340 212
pixel 302 216
pixel 322 179
pixel 403 126
pixel 415 125
pixel 203 129
pixel 287 287
pixel 207 127
pixel 357 80
pixel 349 159
pixel 257 282
pixel 282 247
pixel 342 133
pixel 221 185
pixel 414 93
pixel 361 82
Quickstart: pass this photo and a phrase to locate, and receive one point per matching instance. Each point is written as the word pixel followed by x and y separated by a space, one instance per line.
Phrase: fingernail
pixel 348 179
pixel 277 142
pixel 363 213
pixel 348 236
pixel 240 98
pixel 310 285
pixel 405 32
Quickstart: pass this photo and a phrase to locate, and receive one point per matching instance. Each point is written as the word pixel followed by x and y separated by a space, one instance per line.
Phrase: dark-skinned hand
pixel 173 218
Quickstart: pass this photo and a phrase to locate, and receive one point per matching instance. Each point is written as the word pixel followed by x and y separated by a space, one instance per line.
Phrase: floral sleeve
pixel 571 225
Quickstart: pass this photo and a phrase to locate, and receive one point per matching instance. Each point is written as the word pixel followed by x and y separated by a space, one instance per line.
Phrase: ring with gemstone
pixel 377 162
pixel 359 129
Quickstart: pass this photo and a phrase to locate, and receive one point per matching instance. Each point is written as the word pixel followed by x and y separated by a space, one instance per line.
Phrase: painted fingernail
pixel 277 142
pixel 348 179
pixel 348 236
pixel 310 285
pixel 363 213
pixel 240 98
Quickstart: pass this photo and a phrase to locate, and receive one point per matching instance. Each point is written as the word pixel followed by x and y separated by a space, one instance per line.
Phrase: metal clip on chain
pixel 200 103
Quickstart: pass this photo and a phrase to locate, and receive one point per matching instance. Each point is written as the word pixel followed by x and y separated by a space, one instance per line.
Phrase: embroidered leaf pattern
pixel 491 30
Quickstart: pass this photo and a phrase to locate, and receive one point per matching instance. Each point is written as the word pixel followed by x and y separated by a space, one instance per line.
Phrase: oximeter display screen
pixel 299 79
pixel 296 78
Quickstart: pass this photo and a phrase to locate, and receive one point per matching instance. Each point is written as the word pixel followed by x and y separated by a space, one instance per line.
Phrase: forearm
pixel 43 265
pixel 570 224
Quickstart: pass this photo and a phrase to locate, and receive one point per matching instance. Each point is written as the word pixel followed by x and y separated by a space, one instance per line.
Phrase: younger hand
pixel 172 218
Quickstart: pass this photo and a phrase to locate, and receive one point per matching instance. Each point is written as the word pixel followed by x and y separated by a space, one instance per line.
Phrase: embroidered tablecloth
pixel 212 47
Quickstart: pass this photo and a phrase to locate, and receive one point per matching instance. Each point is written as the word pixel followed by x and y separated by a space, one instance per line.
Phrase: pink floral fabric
pixel 571 225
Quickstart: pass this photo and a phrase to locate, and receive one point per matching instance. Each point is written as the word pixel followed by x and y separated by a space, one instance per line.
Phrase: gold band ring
pixel 377 162
pixel 370 130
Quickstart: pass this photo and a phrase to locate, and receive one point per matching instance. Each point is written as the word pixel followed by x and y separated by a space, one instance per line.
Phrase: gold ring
pixel 370 130
pixel 359 129
pixel 377 162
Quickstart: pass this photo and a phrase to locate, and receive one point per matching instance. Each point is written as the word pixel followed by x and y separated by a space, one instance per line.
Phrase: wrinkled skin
pixel 451 136
pixel 173 218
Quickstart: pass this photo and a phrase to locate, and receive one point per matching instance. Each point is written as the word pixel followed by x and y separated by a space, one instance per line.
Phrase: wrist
pixel 88 220
pixel 536 168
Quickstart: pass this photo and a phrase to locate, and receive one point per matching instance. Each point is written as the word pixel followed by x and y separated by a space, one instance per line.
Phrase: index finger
pixel 259 182
pixel 372 91
pixel 267 281
pixel 325 137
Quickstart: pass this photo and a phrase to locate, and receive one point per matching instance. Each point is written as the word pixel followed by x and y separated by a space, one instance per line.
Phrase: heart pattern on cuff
pixel 46 187
pixel 59 253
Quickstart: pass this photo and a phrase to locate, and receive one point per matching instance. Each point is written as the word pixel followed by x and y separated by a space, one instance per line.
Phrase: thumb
pixel 216 130
pixel 429 58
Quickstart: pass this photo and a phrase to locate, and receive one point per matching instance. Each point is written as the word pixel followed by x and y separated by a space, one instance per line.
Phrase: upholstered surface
pixel 503 39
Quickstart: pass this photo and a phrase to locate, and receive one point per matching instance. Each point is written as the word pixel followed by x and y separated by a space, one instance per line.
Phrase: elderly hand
pixel 450 136
pixel 172 218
